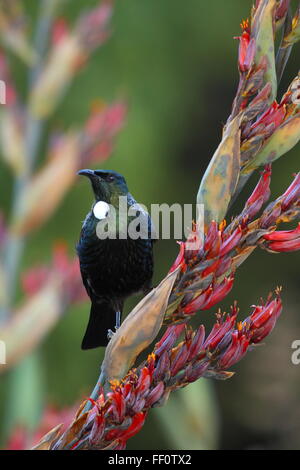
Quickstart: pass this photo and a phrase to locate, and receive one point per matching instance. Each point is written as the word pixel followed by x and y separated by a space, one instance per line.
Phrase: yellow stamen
pixel 114 384
pixel 222 225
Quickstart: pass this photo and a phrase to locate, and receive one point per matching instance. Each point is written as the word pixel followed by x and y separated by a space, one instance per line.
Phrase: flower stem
pixel 14 249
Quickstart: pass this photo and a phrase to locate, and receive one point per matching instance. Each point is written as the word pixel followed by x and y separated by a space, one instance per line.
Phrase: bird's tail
pixel 102 318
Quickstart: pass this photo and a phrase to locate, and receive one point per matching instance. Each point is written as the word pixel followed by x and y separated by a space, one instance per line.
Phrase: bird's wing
pixel 86 284
pixel 89 288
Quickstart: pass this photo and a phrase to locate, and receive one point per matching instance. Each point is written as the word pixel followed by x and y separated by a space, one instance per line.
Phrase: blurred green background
pixel 174 63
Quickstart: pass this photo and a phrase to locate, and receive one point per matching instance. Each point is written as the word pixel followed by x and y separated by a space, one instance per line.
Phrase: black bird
pixel 119 265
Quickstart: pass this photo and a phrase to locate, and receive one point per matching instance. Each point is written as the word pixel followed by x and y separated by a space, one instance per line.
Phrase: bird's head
pixel 107 184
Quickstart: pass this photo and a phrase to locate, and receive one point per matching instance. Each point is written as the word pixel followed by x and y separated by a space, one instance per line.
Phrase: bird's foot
pixel 110 332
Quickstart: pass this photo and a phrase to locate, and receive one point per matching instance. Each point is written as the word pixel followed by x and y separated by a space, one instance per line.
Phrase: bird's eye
pixel 110 178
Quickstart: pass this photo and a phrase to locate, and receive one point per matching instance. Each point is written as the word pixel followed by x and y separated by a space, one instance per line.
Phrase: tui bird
pixel 117 266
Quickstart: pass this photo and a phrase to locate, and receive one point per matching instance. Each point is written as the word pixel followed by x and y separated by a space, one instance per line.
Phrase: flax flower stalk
pixel 259 130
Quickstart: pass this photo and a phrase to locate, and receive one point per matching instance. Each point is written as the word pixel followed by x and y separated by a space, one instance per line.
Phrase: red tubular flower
pixel 235 352
pixel 194 372
pixel 162 366
pixel 137 423
pixel 262 314
pixel 247 48
pixel 210 297
pixel 212 241
pixel 224 266
pixel 105 120
pixel 93 26
pixel 286 246
pixel 118 405
pixel 3 230
pixel 69 271
pixel 169 338
pixel 281 9
pixel 180 261
pixel 260 194
pixel 97 429
pixel 102 125
pixel 198 302
pixel 263 320
pixel 21 438
pixel 284 241
pixel 283 235
pixel 11 96
pixel 143 382
pixel 64 268
pixel 291 194
pixel 220 329
pixel 197 343
pixel 123 435
pixel 219 293
pixel 274 115
pixel 260 333
pixel 270 217
pixel 123 410
pixel 60 30
pixel 262 189
pixel 179 359
pixel 34 279
pixel 212 268
pixel 231 242
pixel 155 394
pixel 193 243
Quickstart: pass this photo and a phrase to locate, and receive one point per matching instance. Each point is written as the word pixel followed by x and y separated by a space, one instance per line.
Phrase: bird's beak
pixel 89 173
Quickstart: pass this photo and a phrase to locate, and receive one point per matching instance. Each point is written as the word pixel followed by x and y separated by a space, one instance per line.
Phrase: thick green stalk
pixel 27 375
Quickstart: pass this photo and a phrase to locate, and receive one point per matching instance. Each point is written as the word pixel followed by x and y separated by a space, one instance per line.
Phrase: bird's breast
pixel 116 267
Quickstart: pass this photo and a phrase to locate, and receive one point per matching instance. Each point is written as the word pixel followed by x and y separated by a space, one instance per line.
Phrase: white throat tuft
pixel 101 210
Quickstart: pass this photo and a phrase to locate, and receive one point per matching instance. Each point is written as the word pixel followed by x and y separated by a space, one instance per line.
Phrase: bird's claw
pixel 110 334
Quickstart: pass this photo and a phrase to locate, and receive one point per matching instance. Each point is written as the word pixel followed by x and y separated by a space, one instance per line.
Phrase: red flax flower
pixel 261 192
pixel 120 413
pixel 3 230
pixel 284 241
pixel 246 49
pixel 208 277
pixel 179 261
pixel 20 437
pixel 93 27
pixel 103 123
pixel 263 319
pixel 274 116
pixel 5 75
pixel 282 9
pixel 63 268
pixel 60 30
pixel 189 249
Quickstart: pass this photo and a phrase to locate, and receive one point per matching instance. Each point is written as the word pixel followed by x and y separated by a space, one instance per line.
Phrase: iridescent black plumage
pixel 111 269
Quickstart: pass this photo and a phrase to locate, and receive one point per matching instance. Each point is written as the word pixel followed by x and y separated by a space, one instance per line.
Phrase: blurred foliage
pixel 175 64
